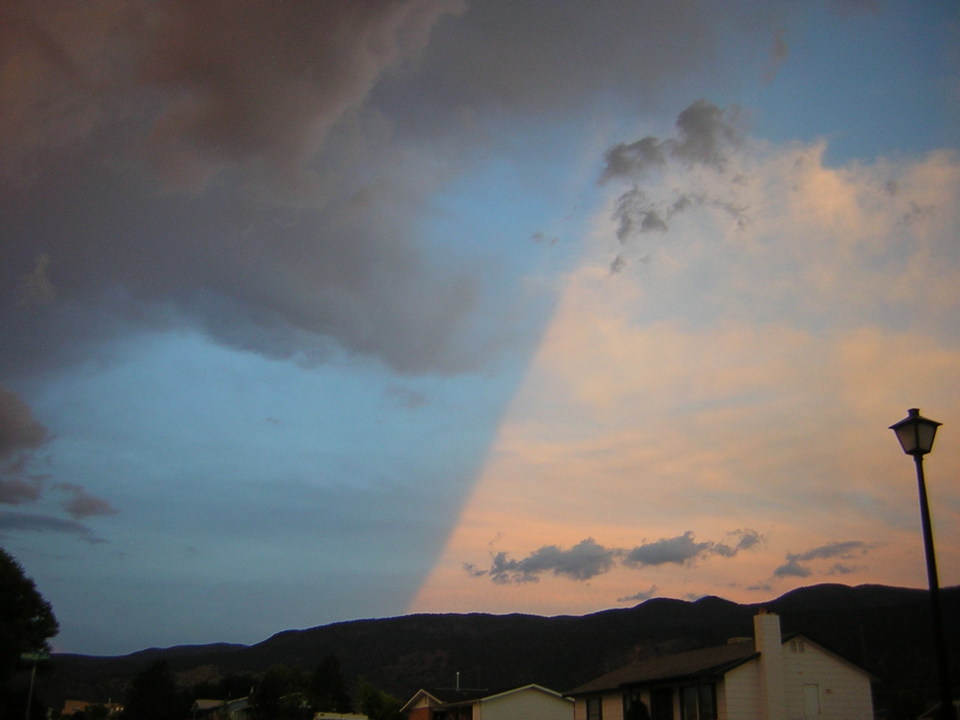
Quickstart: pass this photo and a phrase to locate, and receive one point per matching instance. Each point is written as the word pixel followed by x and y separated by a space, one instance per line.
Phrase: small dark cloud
pixel 745 540
pixel 540 237
pixel 472 570
pixel 10 521
pixel 82 504
pixel 21 436
pixel 842 569
pixel 706 134
pixel 19 430
pixel 587 559
pixel 405 398
pixel 778 55
pixel 583 561
pixel 845 550
pixel 678 551
pixel 618 264
pixel 641 596
pixel 14 491
pixel 792 568
pixel 634 159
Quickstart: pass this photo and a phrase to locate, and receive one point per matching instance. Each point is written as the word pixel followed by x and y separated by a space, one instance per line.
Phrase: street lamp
pixel 916 434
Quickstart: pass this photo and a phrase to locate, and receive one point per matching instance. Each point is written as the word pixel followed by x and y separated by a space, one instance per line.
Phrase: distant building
pixel 206 709
pixel 71 707
pixel 529 702
pixel 767 678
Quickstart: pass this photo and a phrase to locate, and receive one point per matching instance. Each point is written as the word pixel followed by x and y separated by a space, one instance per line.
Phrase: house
pixel 204 709
pixel 71 707
pixel 529 702
pixel 765 678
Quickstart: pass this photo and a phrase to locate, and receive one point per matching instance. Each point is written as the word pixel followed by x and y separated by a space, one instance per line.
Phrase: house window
pixel 661 703
pixel 634 708
pixel 594 708
pixel 698 702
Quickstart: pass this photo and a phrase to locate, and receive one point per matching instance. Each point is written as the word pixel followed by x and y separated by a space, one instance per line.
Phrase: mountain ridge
pixel 884 629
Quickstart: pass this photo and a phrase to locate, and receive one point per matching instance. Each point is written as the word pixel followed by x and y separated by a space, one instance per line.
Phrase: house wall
pixel 421 710
pixel 611 707
pixel 842 691
pixel 741 693
pixel 529 704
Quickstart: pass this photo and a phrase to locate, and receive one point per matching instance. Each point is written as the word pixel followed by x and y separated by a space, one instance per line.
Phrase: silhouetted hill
pixel 885 630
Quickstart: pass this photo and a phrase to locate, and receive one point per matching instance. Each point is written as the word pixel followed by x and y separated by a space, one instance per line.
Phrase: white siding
pixel 844 691
pixel 528 704
pixel 741 693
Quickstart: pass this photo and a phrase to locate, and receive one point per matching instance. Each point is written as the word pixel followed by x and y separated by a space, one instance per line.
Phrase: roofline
pixel 528 686
pixel 846 661
pixel 481 698
pixel 722 669
pixel 417 694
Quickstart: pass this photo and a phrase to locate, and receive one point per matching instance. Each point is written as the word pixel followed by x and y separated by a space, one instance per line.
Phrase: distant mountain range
pixel 883 629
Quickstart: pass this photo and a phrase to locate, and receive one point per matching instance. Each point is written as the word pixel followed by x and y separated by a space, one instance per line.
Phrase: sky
pixel 317 311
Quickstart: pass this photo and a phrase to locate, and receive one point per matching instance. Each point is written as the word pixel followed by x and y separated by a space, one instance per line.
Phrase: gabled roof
pixel 713 661
pixel 448 697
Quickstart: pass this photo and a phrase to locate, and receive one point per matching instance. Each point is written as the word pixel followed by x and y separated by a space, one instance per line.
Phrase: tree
pixel 26 619
pixel 26 623
pixel 378 705
pixel 153 696
pixel 281 694
pixel 327 687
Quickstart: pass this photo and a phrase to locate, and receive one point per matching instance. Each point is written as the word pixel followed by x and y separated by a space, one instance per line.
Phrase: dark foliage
pixel 153 696
pixel 26 619
pixel 26 623
pixel 328 689
pixel 377 704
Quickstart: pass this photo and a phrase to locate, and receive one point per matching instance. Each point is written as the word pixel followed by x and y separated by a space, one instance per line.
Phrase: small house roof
pixel 450 697
pixel 714 661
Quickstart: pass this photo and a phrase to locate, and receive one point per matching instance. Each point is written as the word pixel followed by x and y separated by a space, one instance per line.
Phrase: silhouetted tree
pixel 327 687
pixel 26 623
pixel 153 696
pixel 281 694
pixel 229 687
pixel 376 704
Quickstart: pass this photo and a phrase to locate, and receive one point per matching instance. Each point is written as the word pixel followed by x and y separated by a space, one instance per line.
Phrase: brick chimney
pixel 773 696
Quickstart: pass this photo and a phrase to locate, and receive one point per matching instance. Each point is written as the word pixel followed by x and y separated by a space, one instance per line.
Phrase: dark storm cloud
pixel 310 134
pixel 587 559
pixel 45 524
pixel 265 83
pixel 793 566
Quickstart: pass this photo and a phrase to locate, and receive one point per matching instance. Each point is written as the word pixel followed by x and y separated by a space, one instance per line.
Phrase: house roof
pixel 448 697
pixel 715 660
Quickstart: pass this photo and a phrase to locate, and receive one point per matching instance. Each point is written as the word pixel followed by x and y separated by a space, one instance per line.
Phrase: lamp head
pixel 916 433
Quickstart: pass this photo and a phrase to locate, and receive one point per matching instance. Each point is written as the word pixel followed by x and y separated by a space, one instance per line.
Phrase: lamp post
pixel 916 434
